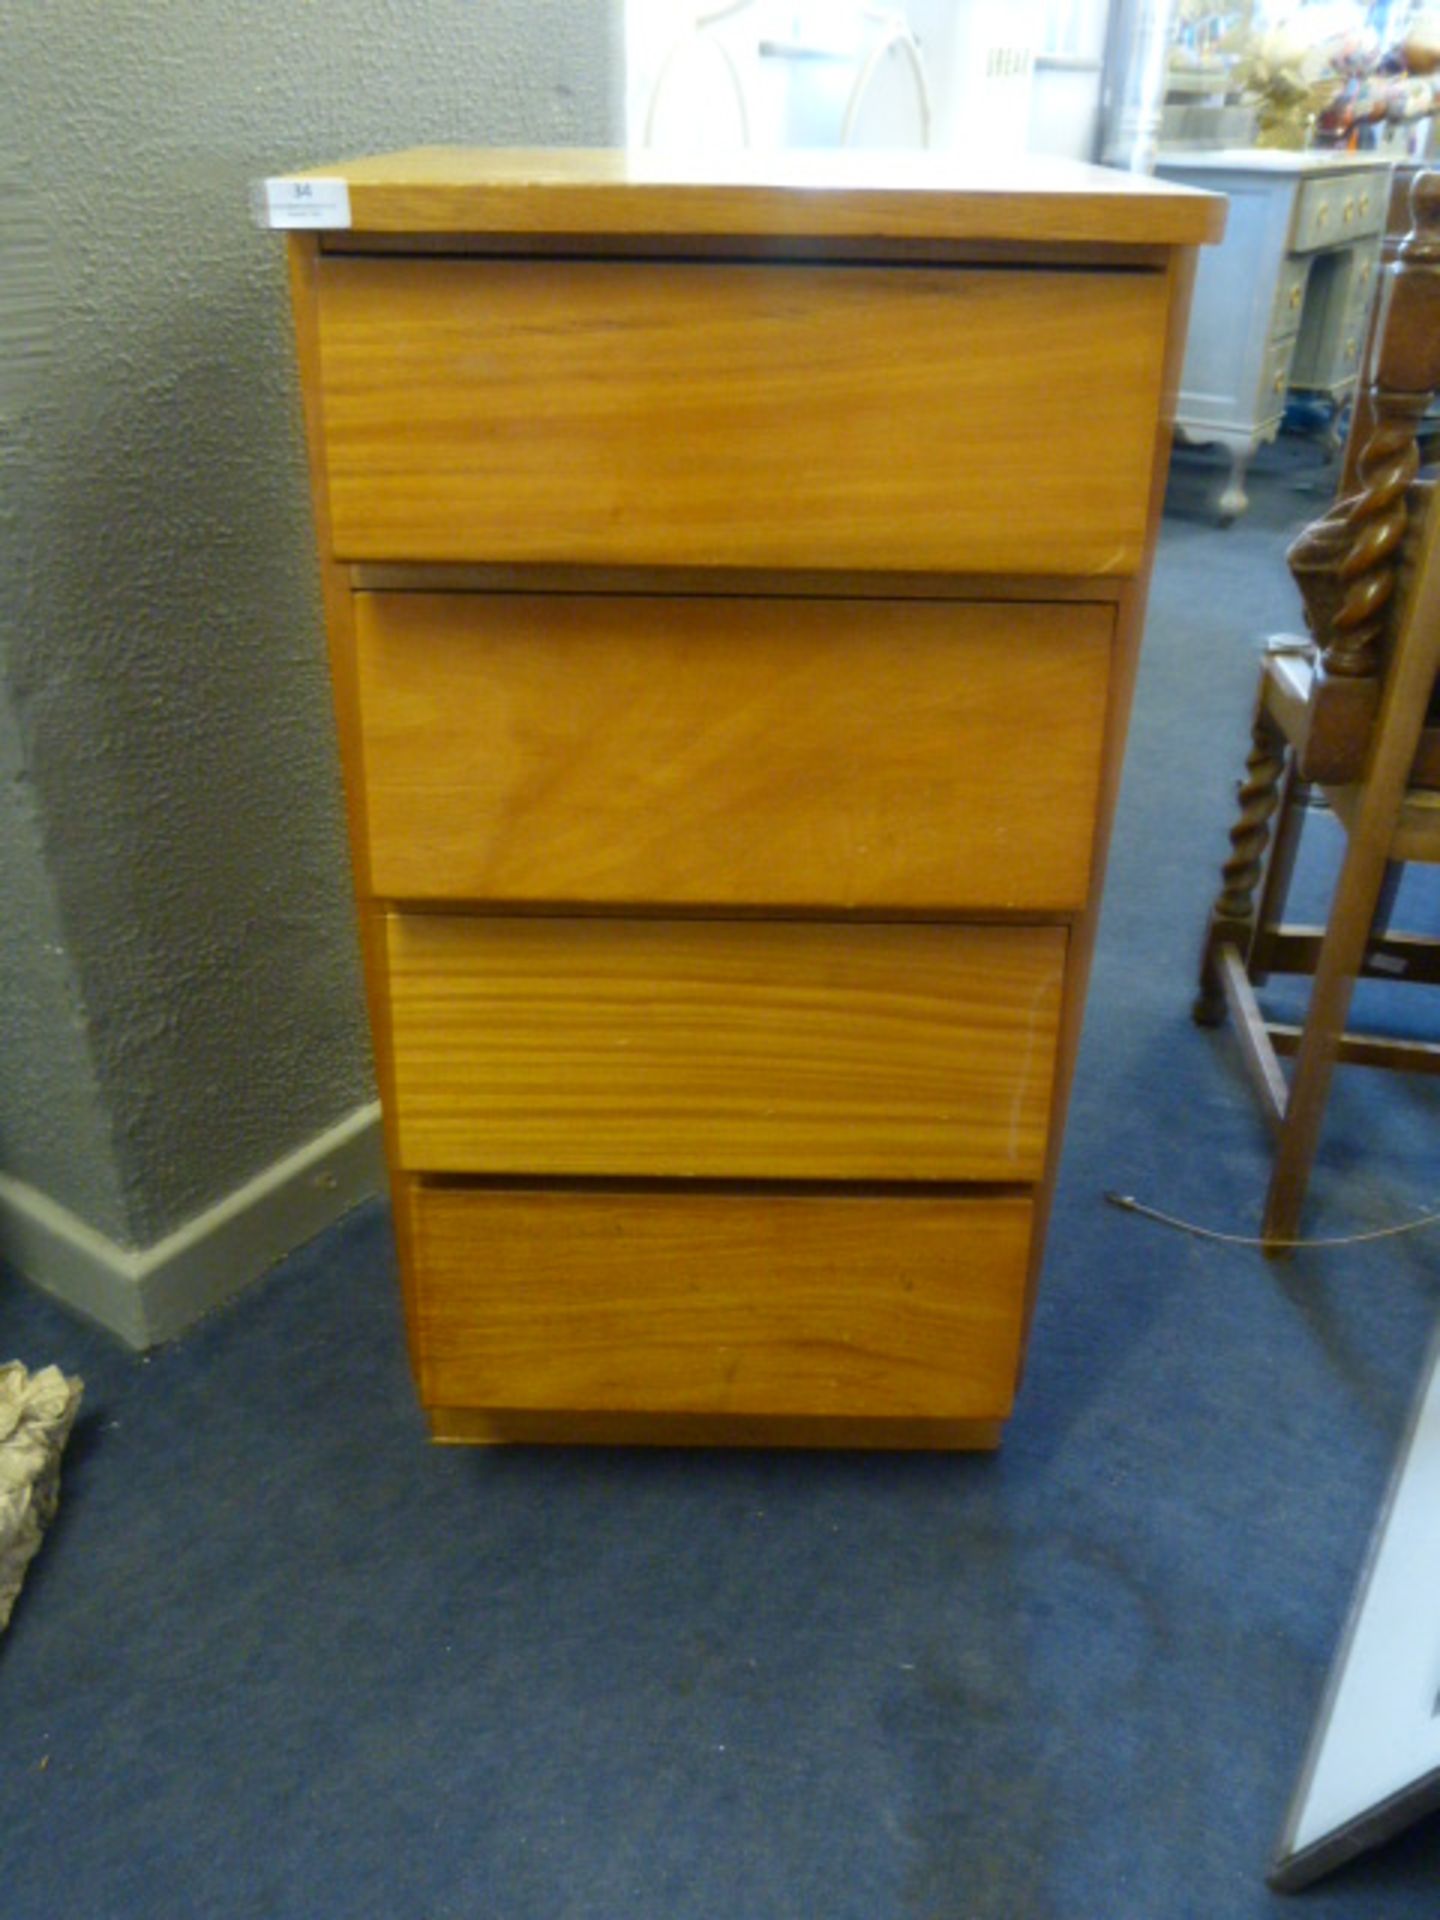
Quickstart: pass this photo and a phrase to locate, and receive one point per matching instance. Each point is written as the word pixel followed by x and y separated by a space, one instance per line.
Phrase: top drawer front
pixel 985 421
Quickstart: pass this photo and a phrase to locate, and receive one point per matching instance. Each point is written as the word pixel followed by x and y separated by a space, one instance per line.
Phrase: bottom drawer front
pixel 716 1302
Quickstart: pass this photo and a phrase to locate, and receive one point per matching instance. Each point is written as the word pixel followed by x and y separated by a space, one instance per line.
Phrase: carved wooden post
pixel 1232 918
pixel 1346 563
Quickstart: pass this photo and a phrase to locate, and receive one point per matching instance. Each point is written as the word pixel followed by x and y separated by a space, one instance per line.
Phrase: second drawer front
pixel 719 1302
pixel 734 752
pixel 767 1050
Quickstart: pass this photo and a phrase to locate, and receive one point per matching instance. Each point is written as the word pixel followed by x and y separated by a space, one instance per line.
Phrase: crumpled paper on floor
pixel 37 1411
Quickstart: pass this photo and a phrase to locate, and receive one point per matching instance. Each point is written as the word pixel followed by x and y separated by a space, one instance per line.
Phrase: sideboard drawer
pixel 1339 207
pixel 1275 378
pixel 704 1302
pixel 933 756
pixel 676 414
pixel 1289 296
pixel 723 1049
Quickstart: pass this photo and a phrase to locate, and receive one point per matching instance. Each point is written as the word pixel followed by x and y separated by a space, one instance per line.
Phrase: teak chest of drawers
pixel 733 587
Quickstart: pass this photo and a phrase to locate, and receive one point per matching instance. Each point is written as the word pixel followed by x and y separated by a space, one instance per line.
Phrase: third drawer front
pixel 706 1302
pixel 722 1049
pixel 602 749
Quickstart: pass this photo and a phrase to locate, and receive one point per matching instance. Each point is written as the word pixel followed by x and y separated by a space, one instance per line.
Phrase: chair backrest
pixel 1348 563
pixel 1362 419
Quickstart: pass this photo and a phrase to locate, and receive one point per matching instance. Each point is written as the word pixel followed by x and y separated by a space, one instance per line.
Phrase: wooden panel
pixel 339 604
pixel 525 1426
pixel 719 1303
pixel 1129 625
pixel 694 415
pixel 723 1048
pixel 749 752
pixel 791 197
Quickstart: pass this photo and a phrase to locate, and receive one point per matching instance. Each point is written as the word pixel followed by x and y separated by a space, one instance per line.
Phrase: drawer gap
pixel 741 1189
pixel 731 583
pixel 974 257
pixel 720 913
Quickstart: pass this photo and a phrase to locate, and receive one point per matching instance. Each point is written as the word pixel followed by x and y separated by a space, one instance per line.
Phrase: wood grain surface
pixel 703 1302
pixel 732 1049
pixel 759 752
pixel 793 196
pixel 762 858
pixel 704 415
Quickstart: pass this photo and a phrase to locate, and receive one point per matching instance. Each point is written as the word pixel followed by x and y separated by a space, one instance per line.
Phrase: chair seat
pixel 1416 836
pixel 1289 676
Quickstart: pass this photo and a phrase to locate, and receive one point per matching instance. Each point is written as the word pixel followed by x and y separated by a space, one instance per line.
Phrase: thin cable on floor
pixel 1129 1204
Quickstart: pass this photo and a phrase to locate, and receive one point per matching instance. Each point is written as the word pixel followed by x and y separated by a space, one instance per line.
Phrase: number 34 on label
pixel 280 202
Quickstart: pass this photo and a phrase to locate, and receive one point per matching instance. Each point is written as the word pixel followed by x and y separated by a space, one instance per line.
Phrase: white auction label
pixel 305 203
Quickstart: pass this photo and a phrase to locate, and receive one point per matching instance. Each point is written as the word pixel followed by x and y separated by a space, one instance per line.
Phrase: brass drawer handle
pixel 1349 213
pixel 1295 294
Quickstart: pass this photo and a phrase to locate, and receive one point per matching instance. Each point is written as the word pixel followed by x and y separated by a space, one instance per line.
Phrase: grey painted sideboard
pixel 1281 306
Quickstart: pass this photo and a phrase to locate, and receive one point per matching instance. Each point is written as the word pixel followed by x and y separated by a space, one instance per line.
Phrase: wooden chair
pixel 1345 716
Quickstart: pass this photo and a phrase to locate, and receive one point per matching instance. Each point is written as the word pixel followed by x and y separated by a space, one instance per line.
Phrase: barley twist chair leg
pixel 1232 918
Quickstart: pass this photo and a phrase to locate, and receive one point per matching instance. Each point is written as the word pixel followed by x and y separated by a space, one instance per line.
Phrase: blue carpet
pixel 281 1658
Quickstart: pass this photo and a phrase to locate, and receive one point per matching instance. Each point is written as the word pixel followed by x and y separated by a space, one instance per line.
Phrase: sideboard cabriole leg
pixel 1234 501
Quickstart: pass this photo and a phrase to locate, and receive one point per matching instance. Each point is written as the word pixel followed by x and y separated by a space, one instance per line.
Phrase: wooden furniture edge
pixel 1363 1049
pixel 1125 660
pixel 467 1426
pixel 1253 1037
pixel 340 637
pixel 825 197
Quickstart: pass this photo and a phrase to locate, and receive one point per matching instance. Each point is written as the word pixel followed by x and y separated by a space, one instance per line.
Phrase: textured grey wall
pixel 54 1127
pixel 178 994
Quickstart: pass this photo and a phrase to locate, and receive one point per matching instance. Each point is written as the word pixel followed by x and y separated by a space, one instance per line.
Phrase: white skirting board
pixel 151 1294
